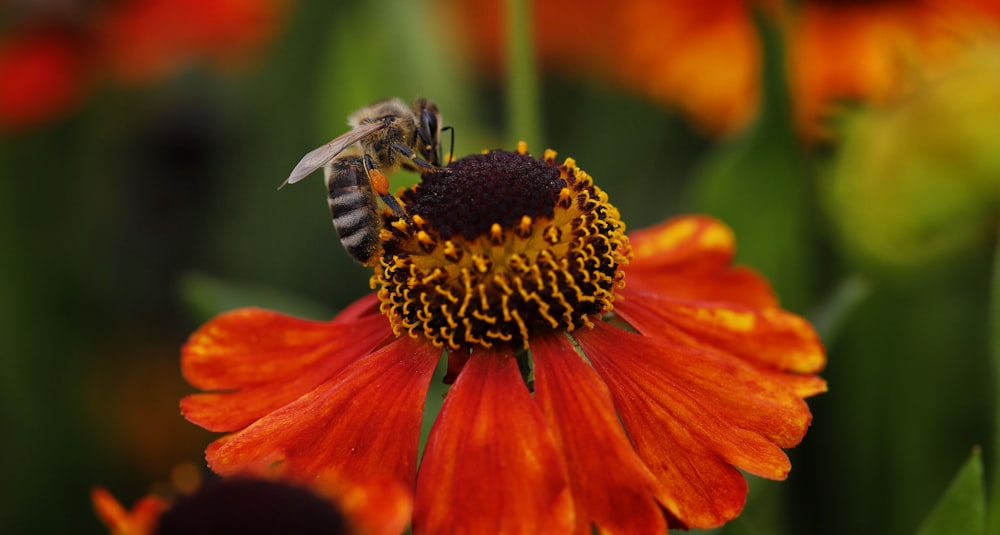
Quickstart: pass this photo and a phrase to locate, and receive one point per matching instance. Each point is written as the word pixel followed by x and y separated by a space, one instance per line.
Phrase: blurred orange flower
pixel 872 51
pixel 143 40
pixel 252 505
pixel 140 520
pixel 43 74
pixel 702 57
pixel 49 61
pixel 705 57
pixel 507 262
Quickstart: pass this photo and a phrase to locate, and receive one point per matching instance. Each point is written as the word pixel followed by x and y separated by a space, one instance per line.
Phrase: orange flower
pixel 702 57
pixel 705 57
pixel 481 28
pixel 515 268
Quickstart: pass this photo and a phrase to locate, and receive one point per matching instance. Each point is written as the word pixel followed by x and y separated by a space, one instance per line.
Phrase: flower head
pixel 648 353
pixel 465 271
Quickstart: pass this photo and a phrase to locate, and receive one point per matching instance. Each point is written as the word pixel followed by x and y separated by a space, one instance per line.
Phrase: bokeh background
pixel 852 146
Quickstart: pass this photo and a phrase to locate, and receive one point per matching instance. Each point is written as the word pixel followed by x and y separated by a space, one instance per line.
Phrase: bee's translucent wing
pixel 319 157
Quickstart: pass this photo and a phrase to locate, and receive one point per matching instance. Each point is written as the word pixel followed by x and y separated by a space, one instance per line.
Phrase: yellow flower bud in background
pixel 916 181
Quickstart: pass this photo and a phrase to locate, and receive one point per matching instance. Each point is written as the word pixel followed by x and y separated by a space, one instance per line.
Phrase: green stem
pixel 522 78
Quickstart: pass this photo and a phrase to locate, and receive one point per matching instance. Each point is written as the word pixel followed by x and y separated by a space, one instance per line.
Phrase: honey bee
pixel 384 136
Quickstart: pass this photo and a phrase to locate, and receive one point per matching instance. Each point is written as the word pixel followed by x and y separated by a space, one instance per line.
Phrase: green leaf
pixel 962 509
pixel 207 296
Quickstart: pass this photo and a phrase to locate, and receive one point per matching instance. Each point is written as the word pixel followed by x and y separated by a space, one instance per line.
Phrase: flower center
pixel 498 247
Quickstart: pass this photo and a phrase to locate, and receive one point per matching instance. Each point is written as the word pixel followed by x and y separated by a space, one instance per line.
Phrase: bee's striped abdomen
pixel 354 207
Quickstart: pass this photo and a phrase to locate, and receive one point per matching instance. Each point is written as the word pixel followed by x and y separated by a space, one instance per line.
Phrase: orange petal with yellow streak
pixel 683 240
pixel 265 360
pixel 689 257
pixel 768 336
pixel 491 464
pixel 692 415
pixel 611 487
pixel 364 423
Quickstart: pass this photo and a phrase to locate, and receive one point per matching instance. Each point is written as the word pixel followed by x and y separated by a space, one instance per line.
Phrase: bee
pixel 384 136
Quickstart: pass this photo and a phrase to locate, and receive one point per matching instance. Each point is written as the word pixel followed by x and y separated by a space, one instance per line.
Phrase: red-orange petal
pixel 362 308
pixel 693 413
pixel 689 257
pixel 767 336
pixel 456 361
pixel 266 360
pixel 364 423
pixel 611 487
pixel 141 520
pixel 252 346
pixel 491 463
pixel 803 386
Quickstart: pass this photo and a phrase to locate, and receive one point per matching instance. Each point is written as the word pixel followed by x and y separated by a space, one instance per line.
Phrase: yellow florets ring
pixel 498 247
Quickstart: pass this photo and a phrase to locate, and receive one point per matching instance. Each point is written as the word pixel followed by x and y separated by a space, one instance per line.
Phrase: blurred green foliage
pixel 107 213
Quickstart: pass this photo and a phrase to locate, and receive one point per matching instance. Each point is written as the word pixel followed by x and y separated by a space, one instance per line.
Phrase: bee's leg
pixel 451 150
pixel 408 153
pixel 380 185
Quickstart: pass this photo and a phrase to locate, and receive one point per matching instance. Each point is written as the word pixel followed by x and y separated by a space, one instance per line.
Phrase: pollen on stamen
pixel 425 238
pixel 451 251
pixel 524 229
pixel 496 234
pixel 498 248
